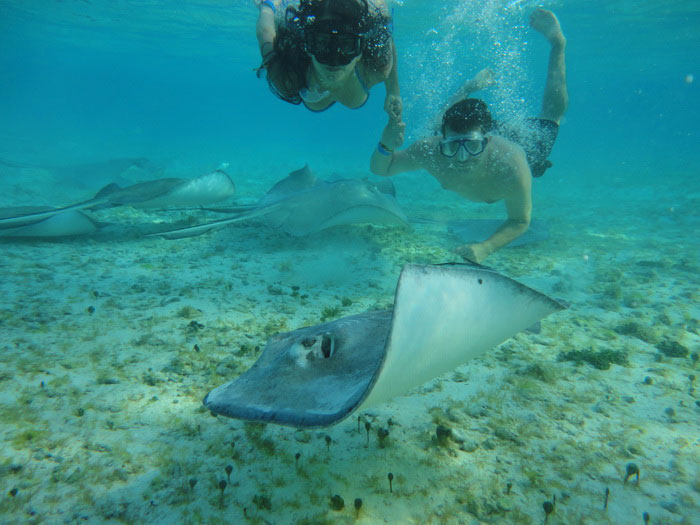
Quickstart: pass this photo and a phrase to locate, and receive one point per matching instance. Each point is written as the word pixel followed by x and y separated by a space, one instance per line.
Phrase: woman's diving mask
pixel 332 46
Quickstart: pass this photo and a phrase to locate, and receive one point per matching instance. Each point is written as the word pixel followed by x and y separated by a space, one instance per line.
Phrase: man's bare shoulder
pixel 506 154
pixel 422 148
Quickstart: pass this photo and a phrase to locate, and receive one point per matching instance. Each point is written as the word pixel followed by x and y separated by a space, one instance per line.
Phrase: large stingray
pixel 206 189
pixel 443 316
pixel 301 204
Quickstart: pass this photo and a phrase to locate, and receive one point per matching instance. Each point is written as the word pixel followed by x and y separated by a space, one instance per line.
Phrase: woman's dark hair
pixel 352 15
pixel 286 65
pixel 466 115
pixel 288 62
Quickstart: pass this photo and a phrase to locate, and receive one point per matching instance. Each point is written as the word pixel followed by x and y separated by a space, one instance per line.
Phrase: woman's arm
pixel 392 103
pixel 265 28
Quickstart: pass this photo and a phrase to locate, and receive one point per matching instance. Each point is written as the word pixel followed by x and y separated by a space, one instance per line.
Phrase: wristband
pixel 383 150
pixel 269 4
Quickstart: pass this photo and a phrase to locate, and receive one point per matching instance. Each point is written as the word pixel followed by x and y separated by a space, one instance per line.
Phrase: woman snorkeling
pixel 319 52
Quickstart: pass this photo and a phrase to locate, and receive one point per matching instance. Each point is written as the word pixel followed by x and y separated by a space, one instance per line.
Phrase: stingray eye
pixel 308 342
pixel 327 345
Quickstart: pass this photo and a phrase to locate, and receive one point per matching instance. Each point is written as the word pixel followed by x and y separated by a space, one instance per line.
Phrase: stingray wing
pixel 206 189
pixel 8 219
pixel 64 224
pixel 445 315
pixel 327 204
pixel 297 181
pixel 364 214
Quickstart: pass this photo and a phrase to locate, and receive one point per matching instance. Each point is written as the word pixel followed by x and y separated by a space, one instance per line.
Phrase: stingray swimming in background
pixel 301 204
pixel 92 174
pixel 443 316
pixel 56 222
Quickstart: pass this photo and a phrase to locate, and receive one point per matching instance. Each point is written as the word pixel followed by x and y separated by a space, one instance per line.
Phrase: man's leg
pixel 482 80
pixel 556 98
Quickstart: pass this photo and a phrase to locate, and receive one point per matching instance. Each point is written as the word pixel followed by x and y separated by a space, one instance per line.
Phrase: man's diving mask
pixel 467 145
pixel 331 46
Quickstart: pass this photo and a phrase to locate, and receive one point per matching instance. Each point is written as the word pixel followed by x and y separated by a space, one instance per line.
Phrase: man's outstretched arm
pixel 519 206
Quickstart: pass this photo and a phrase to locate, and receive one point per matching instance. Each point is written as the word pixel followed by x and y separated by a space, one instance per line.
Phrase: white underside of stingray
pixel 66 224
pixel 443 316
pixel 207 189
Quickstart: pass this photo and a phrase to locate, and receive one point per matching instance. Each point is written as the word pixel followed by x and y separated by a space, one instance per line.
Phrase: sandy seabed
pixel 110 342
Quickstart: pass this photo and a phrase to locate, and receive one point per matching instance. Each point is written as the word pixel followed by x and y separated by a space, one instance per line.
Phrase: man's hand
pixel 394 107
pixel 472 252
pixel 393 134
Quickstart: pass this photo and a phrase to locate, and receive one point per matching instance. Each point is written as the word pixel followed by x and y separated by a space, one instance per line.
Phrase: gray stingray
pixel 477 230
pixel 443 316
pixel 69 223
pixel 206 189
pixel 301 204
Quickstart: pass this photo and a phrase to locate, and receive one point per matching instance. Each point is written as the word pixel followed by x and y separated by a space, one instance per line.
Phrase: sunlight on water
pixel 469 36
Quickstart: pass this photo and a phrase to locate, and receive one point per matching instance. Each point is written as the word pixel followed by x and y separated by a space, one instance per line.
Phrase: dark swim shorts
pixel 536 136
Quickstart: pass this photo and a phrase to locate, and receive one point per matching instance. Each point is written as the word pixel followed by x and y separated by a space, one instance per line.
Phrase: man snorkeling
pixel 320 52
pixel 484 160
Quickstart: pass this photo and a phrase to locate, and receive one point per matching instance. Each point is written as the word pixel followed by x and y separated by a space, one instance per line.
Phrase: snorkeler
pixel 320 52
pixel 483 160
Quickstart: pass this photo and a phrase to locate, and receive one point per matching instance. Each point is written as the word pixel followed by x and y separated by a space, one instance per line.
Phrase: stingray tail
pixel 192 231
pixel 242 208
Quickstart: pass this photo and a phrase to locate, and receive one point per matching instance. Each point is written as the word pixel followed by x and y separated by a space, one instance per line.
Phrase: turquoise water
pixel 156 78
pixel 85 82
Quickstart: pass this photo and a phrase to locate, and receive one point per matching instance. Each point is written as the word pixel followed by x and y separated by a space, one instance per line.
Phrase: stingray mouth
pixel 312 348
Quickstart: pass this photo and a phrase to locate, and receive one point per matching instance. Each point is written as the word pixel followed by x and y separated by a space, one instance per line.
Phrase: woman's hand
pixel 394 108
